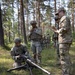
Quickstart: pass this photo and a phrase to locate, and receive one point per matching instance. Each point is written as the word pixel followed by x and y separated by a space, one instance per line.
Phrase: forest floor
pixel 48 62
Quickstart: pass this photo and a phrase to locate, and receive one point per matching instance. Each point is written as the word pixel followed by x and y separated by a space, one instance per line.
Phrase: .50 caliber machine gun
pixel 29 66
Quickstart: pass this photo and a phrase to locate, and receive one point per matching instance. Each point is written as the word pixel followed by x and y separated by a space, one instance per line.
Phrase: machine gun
pixel 29 66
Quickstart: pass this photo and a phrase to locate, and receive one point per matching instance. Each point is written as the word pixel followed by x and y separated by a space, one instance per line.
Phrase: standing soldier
pixel 35 37
pixel 65 40
pixel 18 51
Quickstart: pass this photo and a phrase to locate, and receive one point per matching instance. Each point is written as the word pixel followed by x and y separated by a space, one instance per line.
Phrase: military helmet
pixel 17 40
pixel 33 22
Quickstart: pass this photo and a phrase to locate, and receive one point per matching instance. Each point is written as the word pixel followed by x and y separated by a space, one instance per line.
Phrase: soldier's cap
pixel 61 9
pixel 33 22
pixel 17 40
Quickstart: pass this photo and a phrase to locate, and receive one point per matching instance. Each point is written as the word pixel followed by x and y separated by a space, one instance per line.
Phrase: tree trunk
pixel 33 13
pixel 27 16
pixel 38 12
pixel 9 35
pixel 23 21
pixel 50 13
pixel 27 22
pixel 18 18
pixel 12 22
pixel 72 20
pixel 1 29
pixel 55 9
pixel 73 15
pixel 55 5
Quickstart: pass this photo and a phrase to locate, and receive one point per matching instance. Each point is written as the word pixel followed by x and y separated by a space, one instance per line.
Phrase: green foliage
pixel 71 2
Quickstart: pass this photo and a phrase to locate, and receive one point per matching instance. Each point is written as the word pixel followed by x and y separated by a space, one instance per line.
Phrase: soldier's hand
pixel 53 27
pixel 17 57
pixel 30 28
pixel 57 31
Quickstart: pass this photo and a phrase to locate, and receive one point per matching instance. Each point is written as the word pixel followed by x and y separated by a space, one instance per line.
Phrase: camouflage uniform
pixel 19 50
pixel 35 37
pixel 65 40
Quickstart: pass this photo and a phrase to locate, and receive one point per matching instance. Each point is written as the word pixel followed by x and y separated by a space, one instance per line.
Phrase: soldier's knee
pixel 16 64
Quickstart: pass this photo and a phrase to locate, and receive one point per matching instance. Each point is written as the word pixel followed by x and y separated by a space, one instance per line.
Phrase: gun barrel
pixel 25 66
pixel 19 67
pixel 38 67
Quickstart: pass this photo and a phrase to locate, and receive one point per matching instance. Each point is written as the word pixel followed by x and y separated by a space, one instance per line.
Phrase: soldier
pixel 17 52
pixel 65 40
pixel 35 37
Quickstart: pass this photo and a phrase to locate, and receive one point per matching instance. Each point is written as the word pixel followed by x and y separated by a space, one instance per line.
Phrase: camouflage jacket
pixel 65 34
pixel 21 50
pixel 36 34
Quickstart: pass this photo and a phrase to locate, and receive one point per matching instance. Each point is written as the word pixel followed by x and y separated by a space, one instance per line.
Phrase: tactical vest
pixel 19 50
pixel 36 34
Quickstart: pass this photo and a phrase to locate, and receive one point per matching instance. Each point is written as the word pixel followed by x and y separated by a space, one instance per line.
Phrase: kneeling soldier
pixel 17 52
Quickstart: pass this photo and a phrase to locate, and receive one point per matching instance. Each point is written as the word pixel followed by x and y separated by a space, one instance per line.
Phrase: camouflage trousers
pixel 65 58
pixel 36 46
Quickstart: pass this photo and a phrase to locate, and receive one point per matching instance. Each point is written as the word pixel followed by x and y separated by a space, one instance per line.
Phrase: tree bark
pixel 33 13
pixel 27 16
pixel 50 13
pixel 23 21
pixel 38 13
pixel 73 15
pixel 9 35
pixel 1 29
pixel 37 6
pixel 55 5
pixel 18 19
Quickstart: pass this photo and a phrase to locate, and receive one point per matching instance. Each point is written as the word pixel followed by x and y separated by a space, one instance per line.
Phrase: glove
pixel 17 57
